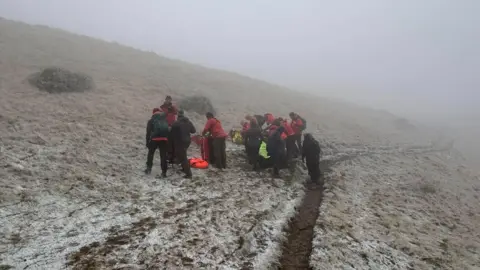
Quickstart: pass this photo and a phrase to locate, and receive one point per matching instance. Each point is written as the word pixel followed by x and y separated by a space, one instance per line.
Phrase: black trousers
pixel 171 148
pixel 278 162
pixel 219 152
pixel 313 167
pixel 211 154
pixel 181 156
pixel 292 149
pixel 252 154
pixel 152 147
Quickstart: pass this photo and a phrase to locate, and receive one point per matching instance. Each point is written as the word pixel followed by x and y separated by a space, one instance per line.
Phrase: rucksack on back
pixel 160 128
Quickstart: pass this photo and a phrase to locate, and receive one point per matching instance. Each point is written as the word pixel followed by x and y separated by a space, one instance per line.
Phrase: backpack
pixel 160 127
pixel 304 123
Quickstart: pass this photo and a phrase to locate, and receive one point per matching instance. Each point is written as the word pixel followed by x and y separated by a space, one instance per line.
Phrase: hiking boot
pixel 164 174
pixel 148 170
pixel 187 176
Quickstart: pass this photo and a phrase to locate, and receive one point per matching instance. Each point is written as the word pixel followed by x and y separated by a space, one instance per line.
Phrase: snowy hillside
pixel 73 194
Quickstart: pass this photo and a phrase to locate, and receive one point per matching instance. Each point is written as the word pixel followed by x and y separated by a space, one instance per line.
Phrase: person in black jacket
pixel 253 139
pixel 181 130
pixel 311 152
pixel 276 150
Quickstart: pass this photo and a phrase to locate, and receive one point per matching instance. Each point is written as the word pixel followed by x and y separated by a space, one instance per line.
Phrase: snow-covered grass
pixel 409 209
pixel 218 219
pixel 73 163
pixel 72 191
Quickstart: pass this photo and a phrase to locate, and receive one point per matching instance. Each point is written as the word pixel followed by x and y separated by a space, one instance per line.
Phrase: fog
pixel 416 58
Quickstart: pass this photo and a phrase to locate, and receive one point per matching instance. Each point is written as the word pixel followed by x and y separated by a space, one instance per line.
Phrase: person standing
pixel 181 130
pixel 218 137
pixel 157 138
pixel 171 112
pixel 253 140
pixel 292 149
pixel 298 126
pixel 276 150
pixel 311 152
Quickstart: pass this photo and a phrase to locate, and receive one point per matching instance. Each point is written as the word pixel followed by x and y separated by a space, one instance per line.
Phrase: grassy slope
pixel 54 140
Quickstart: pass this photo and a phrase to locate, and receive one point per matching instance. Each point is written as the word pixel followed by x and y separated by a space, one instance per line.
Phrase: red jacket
pixel 297 126
pixel 288 129
pixel 245 127
pixel 171 114
pixel 269 118
pixel 215 128
pixel 272 129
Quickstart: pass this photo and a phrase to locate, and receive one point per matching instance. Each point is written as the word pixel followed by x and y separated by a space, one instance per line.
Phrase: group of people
pixel 169 131
pixel 278 142
pixel 269 141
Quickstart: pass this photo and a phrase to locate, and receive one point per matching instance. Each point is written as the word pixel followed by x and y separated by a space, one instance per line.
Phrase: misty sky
pixel 414 56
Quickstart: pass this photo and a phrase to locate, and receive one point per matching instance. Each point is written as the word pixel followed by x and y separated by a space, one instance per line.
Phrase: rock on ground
pixel 60 80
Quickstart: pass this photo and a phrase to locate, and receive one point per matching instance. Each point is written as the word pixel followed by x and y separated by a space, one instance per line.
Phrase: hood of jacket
pixel 308 137
pixel 182 118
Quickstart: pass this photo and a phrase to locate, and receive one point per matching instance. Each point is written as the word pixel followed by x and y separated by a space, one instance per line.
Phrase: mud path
pixel 298 247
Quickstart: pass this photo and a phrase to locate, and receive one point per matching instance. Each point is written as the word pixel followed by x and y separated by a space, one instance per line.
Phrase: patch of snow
pixel 389 208
pixel 217 219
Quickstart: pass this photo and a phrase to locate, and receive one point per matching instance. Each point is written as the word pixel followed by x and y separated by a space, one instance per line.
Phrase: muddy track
pixel 298 247
pixel 94 256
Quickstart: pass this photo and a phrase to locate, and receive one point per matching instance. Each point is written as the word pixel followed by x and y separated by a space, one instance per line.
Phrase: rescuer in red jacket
pixel 215 131
pixel 171 112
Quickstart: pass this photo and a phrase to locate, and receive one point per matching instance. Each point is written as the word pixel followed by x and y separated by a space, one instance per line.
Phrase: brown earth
pixel 296 251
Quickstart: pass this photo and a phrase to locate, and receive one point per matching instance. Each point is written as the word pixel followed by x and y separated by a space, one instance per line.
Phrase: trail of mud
pixel 298 247
pixel 94 255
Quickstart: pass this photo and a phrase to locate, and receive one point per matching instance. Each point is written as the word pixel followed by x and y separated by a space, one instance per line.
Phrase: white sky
pixel 408 56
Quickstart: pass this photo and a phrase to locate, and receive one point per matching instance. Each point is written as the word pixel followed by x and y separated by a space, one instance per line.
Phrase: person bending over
pixel 214 128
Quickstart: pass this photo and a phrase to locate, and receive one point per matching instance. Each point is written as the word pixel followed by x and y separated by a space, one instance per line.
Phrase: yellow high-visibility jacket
pixel 262 151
